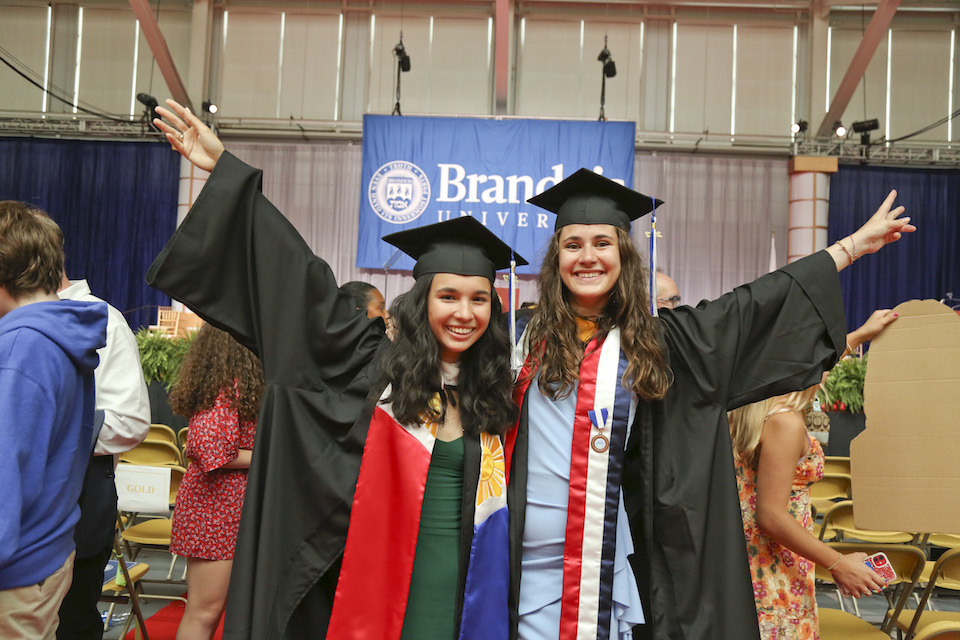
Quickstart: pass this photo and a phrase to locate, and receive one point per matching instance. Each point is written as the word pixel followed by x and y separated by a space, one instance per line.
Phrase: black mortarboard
pixel 588 198
pixel 461 245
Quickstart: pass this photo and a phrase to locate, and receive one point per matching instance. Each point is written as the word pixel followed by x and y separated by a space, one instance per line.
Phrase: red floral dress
pixel 210 499
pixel 783 583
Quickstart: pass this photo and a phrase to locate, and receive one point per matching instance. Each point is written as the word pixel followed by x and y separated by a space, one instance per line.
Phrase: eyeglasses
pixel 672 302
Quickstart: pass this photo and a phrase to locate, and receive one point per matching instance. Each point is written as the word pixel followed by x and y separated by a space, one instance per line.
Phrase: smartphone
pixel 881 566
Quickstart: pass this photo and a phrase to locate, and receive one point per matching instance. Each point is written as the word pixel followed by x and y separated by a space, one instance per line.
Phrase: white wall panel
pixel 623 90
pixel 23 33
pixel 175 26
pixel 550 77
pixel 460 67
pixel 920 74
pixel 704 81
pixel 873 84
pixel 309 80
pixel 106 59
pixel 764 80
pixel 251 65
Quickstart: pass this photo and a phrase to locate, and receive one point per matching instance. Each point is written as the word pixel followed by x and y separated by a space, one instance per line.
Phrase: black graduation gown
pixel 773 336
pixel 243 267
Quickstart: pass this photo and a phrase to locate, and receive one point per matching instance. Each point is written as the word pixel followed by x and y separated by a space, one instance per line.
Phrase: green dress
pixel 432 604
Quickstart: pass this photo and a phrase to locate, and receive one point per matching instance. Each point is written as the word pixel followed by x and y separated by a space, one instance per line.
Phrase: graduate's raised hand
pixel 187 134
pixel 884 227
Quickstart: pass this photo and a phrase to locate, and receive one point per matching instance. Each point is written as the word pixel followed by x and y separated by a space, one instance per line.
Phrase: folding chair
pixel 182 438
pixel 836 466
pixel 113 592
pixel 840 518
pixel 167 320
pixel 945 574
pixel 940 631
pixel 825 492
pixel 161 433
pixel 153 453
pixel 906 560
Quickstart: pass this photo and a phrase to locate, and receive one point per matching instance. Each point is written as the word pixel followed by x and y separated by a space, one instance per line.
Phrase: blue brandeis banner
pixel 419 170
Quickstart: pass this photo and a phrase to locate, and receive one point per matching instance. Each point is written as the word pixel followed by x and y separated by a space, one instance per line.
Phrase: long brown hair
pixel 555 343
pixel 214 363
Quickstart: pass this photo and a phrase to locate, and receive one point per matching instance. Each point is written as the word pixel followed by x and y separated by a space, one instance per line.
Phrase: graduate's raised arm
pixel 884 227
pixel 187 134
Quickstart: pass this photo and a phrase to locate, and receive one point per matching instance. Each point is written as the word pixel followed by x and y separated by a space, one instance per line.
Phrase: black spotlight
pixel 150 105
pixel 210 107
pixel 609 66
pixel 402 58
pixel 839 130
pixel 609 70
pixel 864 127
pixel 799 127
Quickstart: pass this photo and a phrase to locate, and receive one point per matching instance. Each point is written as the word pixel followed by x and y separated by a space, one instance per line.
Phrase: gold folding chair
pixel 161 433
pixel 153 453
pixel 836 465
pixel 113 592
pixel 155 532
pixel 825 492
pixel 940 631
pixel 839 518
pixel 182 439
pixel 945 574
pixel 906 560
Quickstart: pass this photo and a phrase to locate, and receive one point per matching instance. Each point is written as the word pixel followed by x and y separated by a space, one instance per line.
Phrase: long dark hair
pixel 216 362
pixel 554 338
pixel 412 366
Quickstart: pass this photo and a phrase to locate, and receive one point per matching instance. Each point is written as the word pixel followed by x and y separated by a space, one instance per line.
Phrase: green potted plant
pixel 160 359
pixel 843 402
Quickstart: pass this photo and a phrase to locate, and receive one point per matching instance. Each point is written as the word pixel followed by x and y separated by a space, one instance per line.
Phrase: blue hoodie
pixel 47 357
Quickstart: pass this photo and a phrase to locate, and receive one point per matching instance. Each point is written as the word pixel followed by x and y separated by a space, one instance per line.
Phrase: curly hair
pixel 31 250
pixel 485 386
pixel 216 362
pixel 556 348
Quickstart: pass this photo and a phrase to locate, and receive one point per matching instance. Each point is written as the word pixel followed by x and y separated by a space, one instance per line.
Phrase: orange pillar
pixel 809 204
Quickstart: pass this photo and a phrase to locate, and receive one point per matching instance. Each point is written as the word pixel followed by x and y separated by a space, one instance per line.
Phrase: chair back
pixel 161 433
pixel 836 466
pixel 152 453
pixel 945 571
pixel 944 630
pixel 840 518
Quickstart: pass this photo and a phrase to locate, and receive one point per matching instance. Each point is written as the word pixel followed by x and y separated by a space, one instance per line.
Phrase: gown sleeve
pixel 772 336
pixel 240 264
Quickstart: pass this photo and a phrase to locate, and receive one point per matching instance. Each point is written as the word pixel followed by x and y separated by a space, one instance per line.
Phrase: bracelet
pixel 834 565
pixel 849 349
pixel 845 250
pixel 854 245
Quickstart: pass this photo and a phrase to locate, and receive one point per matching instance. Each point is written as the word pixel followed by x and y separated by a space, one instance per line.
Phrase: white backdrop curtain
pixel 716 223
pixel 717 218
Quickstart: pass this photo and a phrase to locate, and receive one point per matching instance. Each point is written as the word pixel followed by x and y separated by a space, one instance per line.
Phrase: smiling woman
pixel 384 460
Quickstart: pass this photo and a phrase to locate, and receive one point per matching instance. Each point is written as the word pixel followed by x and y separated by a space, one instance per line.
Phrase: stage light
pixel 150 103
pixel 210 107
pixel 609 70
pixel 839 129
pixel 865 126
pixel 402 58
pixel 799 127
pixel 609 66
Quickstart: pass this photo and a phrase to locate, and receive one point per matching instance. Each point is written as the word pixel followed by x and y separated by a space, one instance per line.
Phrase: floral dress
pixel 783 583
pixel 210 499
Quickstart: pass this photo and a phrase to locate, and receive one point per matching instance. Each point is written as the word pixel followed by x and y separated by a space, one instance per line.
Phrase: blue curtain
pixel 116 203
pixel 925 264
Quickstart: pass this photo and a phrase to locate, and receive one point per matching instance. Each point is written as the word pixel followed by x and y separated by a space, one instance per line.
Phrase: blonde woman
pixel 776 462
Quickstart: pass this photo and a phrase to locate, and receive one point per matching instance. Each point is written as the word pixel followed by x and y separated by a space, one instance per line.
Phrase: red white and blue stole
pixel 600 432
pixel 374 583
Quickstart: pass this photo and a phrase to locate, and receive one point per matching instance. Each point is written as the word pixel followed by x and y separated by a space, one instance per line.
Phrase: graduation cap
pixel 588 198
pixel 462 246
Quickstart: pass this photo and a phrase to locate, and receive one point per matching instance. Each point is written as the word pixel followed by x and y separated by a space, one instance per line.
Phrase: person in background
pixel 776 463
pixel 370 300
pixel 617 398
pixel 668 295
pixel 48 352
pixel 121 396
pixel 220 386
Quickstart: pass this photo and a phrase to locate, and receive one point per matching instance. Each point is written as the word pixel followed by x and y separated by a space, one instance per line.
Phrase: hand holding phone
pixel 881 566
